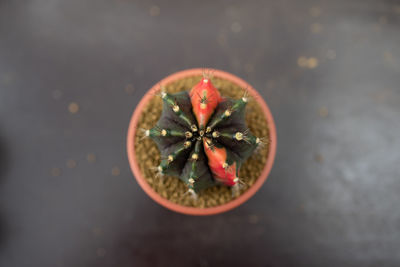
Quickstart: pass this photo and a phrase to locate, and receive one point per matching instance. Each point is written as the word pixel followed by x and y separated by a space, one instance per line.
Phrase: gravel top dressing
pixel 172 188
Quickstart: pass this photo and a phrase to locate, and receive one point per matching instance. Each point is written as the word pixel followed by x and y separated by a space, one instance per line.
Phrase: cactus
pixel 203 137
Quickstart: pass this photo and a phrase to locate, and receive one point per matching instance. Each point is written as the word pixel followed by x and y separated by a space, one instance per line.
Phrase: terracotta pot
pixel 192 210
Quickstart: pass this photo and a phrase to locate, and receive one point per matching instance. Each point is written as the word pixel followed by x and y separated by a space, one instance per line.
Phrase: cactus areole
pixel 203 137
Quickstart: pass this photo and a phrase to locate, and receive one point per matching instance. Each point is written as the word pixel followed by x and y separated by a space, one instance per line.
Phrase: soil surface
pixel 172 188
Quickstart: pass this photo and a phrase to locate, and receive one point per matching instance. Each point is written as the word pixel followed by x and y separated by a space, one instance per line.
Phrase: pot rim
pixel 192 210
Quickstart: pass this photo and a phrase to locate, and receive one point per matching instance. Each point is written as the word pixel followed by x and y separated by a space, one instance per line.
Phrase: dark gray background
pixel 332 198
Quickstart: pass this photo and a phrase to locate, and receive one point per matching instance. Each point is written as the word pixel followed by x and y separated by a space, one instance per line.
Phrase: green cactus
pixel 203 137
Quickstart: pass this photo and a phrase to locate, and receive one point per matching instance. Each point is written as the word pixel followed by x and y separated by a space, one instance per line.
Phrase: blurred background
pixel 72 72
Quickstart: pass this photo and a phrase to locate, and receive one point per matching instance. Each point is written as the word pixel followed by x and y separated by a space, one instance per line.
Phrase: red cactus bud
pixel 217 161
pixel 205 98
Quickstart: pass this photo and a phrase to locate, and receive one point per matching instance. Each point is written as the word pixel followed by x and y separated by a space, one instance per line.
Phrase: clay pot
pixel 193 210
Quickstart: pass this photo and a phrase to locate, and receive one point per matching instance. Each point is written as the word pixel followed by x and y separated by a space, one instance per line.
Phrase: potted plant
pixel 199 150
